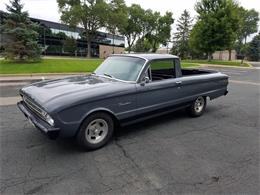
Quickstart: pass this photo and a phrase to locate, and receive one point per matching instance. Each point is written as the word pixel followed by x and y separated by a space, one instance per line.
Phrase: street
pixel 217 153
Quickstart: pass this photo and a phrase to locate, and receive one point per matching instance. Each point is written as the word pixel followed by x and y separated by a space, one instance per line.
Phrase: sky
pixel 48 9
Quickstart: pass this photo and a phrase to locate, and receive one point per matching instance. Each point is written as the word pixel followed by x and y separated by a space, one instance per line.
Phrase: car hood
pixel 68 90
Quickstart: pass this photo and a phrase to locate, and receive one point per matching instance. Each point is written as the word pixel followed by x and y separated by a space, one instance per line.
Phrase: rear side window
pixel 162 64
pixel 162 69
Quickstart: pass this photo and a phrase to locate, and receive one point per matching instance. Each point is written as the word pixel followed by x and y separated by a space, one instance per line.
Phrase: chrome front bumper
pixel 40 124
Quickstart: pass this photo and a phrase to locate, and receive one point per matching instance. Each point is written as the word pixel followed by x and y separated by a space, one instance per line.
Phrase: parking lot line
pixel 7 84
pixel 244 82
pixel 234 71
pixel 231 73
pixel 7 101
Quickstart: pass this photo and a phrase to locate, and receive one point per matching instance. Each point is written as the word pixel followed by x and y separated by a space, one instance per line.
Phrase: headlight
pixel 48 118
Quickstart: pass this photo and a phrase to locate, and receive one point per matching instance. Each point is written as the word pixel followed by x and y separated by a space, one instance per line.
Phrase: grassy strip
pixel 189 65
pixel 218 62
pixel 57 66
pixel 50 66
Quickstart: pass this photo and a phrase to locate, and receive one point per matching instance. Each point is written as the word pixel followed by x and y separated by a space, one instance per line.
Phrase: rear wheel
pixel 198 107
pixel 96 131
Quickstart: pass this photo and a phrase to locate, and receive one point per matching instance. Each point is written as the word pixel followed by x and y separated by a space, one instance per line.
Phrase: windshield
pixel 121 67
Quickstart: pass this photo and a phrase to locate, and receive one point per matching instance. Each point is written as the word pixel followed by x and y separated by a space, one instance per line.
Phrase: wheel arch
pixel 205 97
pixel 98 110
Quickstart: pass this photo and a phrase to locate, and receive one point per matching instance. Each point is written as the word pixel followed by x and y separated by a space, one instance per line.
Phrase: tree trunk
pixel 229 55
pixel 209 56
pixel 129 45
pixel 154 49
pixel 89 47
pixel 245 39
pixel 129 48
pixel 242 60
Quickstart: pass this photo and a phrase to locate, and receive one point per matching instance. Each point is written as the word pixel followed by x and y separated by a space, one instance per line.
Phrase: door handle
pixel 178 82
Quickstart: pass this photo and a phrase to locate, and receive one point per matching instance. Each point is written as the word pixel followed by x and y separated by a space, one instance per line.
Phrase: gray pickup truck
pixel 124 89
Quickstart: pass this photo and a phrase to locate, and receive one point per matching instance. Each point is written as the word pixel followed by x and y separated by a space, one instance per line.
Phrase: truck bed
pixel 191 72
pixel 161 74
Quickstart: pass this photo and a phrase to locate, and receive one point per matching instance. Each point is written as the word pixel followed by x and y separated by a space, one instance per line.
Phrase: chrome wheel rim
pixel 199 104
pixel 96 131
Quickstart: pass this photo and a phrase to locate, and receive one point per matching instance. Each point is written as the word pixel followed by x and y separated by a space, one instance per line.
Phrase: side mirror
pixel 145 80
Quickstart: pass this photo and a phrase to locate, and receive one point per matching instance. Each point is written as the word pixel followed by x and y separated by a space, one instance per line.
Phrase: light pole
pixel 113 43
pixel 44 41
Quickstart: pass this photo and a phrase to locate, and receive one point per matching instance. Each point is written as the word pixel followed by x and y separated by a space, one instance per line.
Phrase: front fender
pixel 70 120
pixel 100 109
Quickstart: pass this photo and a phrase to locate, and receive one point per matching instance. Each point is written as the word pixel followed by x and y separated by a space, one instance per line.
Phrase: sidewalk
pixel 33 77
pixel 226 66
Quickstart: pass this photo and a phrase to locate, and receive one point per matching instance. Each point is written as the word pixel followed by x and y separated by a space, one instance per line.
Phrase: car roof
pixel 149 56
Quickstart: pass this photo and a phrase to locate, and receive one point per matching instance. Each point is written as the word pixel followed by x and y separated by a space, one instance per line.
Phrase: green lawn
pixel 50 66
pixel 218 62
pixel 56 66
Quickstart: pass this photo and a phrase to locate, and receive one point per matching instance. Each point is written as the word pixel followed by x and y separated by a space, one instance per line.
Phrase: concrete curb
pixel 226 66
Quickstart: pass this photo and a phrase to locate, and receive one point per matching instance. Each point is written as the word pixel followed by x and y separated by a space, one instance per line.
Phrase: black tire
pixel 84 138
pixel 193 110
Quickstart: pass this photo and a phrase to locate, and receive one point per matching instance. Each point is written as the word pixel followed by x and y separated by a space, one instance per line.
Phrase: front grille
pixel 33 107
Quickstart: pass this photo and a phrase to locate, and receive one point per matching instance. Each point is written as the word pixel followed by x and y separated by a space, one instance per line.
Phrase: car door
pixel 155 93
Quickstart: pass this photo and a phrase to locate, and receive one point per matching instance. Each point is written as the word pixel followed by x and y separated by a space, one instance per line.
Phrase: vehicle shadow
pixel 172 117
pixel 70 145
pixel 147 124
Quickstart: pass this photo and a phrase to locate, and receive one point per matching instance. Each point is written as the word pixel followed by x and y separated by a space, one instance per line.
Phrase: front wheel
pixel 197 108
pixel 96 131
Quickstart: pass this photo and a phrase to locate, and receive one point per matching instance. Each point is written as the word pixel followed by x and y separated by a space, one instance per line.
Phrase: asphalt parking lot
pixel 217 153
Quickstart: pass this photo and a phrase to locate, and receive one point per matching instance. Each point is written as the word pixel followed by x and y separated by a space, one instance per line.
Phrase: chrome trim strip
pixel 104 76
pixel 33 107
pixel 139 75
pixel 126 55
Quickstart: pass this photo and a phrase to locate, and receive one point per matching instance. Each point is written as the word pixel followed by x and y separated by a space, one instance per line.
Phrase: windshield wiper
pixel 108 75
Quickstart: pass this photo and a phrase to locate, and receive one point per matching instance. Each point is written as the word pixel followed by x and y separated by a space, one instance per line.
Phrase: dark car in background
pixel 124 89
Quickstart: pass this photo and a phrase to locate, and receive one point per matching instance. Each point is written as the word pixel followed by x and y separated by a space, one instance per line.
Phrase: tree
pixel 247 26
pixel 147 24
pixel 133 28
pixel 91 14
pixel 21 34
pixel 117 17
pixel 254 48
pixel 182 35
pixel 248 23
pixel 142 45
pixel 70 45
pixel 161 33
pixel 232 27
pixel 216 26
